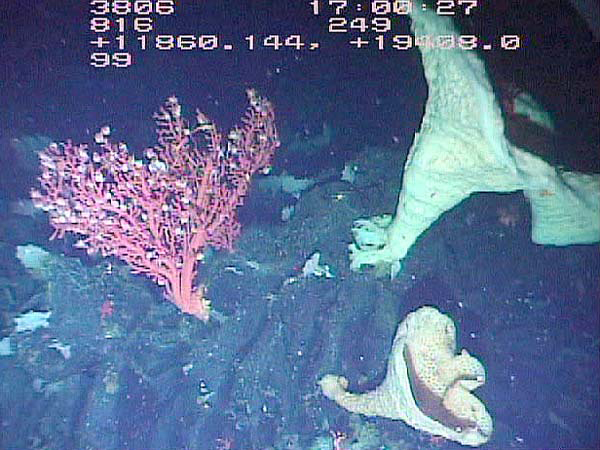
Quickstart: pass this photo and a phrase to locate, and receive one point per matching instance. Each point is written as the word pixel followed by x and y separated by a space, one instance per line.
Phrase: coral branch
pixel 160 213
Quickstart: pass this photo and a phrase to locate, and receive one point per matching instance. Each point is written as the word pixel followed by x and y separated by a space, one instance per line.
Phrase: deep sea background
pixel 148 377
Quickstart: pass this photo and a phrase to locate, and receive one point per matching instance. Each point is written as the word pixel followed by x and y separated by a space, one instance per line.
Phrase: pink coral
pixel 158 215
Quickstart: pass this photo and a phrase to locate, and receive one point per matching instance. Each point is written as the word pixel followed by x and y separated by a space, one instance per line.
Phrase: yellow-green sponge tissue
pixel 461 149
